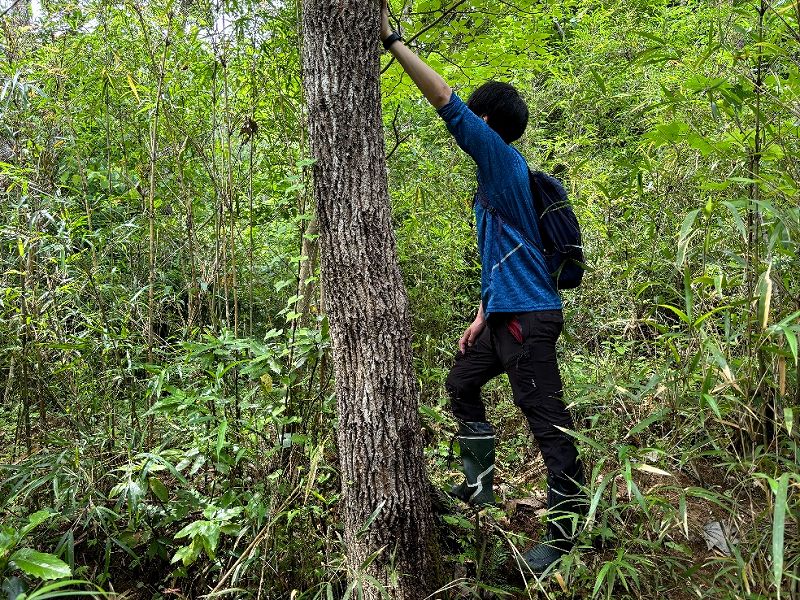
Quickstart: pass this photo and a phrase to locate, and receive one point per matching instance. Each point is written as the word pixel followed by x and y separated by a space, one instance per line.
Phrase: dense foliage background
pixel 166 402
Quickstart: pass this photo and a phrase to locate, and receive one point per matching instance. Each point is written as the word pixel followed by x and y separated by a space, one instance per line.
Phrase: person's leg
pixel 532 368
pixel 475 436
pixel 531 363
pixel 469 373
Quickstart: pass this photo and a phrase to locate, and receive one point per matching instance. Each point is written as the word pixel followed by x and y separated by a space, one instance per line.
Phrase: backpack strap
pixel 502 220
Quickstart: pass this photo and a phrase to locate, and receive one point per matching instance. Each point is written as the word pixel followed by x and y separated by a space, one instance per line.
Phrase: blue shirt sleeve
pixel 476 138
pixel 502 171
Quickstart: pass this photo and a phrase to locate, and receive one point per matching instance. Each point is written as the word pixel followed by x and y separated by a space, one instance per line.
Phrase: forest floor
pixel 523 518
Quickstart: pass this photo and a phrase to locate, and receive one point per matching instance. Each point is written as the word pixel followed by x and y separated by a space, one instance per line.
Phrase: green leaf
pixel 698 142
pixel 223 428
pixel 649 36
pixel 737 219
pixel 188 554
pixel 364 528
pixel 778 528
pixel 685 236
pixel 711 313
pixel 582 438
pixel 430 413
pixel 56 590
pixel 712 402
pixel 159 489
pixel 597 496
pixel 601 576
pixel 40 565
pixel 132 86
pixel 681 315
pixel 34 521
pixel 791 339
pixel 191 530
pixel 645 423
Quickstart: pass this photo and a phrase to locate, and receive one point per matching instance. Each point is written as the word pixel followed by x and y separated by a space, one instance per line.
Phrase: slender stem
pixel 151 280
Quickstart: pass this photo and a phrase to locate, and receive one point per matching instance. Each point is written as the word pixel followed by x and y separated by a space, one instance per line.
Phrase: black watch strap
pixel 391 39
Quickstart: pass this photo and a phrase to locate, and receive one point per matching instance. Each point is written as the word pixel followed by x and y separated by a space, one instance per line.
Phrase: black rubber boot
pixel 566 504
pixel 476 439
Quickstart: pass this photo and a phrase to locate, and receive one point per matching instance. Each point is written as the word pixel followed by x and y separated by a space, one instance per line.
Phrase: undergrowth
pixel 167 410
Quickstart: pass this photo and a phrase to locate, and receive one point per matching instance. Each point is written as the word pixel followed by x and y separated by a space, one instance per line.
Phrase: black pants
pixel 524 347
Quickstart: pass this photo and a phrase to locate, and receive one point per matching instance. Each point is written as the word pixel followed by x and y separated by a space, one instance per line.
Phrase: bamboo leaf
pixel 132 85
pixel 364 528
pixel 791 340
pixel 778 529
pixel 645 423
pixel 685 236
pixel 766 295
pixel 582 438
pixel 681 315
pixel 651 469
pixel 596 497
pixel 223 428
pixel 711 313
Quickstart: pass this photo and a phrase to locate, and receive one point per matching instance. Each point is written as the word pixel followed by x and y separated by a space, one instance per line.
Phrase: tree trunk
pixel 385 502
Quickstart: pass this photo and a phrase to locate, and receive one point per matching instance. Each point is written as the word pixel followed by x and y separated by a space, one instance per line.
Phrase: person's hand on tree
pixel 471 334
pixel 385 28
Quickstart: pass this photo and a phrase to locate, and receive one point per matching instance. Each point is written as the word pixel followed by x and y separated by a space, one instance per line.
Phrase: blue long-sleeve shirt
pixel 514 274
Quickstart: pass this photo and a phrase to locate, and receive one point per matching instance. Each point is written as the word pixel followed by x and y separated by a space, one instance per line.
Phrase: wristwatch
pixel 391 39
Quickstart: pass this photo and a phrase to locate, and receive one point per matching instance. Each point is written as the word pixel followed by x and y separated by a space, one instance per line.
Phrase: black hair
pixel 507 112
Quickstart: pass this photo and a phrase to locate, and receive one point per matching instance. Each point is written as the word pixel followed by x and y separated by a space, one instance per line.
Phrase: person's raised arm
pixel 429 82
pixel 471 131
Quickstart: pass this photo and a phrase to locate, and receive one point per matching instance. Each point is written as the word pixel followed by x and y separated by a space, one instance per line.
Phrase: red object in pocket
pixel 515 329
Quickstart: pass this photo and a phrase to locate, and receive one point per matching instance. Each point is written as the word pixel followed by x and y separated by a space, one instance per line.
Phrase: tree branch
pixel 427 27
pixel 10 8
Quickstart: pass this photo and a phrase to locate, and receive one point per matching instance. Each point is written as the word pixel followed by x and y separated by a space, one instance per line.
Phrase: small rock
pixel 524 504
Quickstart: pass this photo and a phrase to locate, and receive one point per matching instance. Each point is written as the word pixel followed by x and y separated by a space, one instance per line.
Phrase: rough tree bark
pixel 380 447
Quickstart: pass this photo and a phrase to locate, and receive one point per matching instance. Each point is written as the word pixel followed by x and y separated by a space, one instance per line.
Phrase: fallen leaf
pixel 719 536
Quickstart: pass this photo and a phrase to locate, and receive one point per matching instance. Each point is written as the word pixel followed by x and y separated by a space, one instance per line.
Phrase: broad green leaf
pixel 159 489
pixel 40 565
pixel 188 554
pixel 191 530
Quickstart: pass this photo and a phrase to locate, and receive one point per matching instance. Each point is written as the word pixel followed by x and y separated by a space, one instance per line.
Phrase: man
pixel 519 316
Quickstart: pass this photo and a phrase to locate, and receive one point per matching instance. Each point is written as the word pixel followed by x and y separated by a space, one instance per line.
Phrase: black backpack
pixel 558 228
